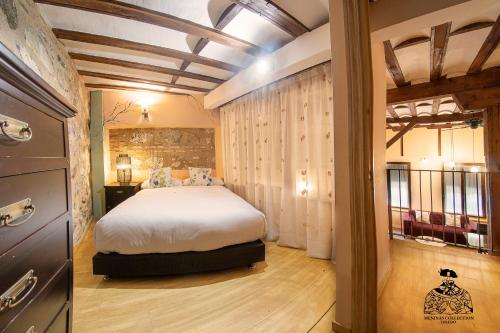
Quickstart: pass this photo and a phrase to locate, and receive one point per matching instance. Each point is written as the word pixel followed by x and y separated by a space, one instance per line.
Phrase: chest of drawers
pixel 35 203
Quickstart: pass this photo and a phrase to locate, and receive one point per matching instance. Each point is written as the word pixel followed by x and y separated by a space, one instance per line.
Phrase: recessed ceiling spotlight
pixel 263 65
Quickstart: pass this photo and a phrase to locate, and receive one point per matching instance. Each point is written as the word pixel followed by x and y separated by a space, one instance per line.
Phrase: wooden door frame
pixel 355 246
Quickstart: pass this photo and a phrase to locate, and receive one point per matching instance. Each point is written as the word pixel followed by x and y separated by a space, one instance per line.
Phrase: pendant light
pixel 474 168
pixel 451 164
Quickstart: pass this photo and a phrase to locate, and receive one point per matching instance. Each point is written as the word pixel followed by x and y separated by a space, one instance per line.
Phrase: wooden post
pixel 492 153
pixel 355 230
pixel 97 153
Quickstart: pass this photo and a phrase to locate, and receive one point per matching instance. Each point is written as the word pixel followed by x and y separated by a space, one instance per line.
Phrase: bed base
pixel 122 265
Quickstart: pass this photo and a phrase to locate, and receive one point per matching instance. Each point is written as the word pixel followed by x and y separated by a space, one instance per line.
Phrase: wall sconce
pixel 145 115
pixel 124 169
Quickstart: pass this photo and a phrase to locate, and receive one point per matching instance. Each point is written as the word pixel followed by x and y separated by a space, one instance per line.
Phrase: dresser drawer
pixel 45 307
pixel 62 322
pixel 47 191
pixel 47 133
pixel 42 255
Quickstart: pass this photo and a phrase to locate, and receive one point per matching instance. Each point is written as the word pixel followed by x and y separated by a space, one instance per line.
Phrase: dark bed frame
pixel 122 265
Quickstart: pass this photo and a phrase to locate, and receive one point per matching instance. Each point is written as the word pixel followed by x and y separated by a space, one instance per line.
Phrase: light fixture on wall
pixel 145 115
pixel 424 160
pixel 124 169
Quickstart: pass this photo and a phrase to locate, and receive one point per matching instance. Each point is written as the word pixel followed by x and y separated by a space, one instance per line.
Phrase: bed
pixel 178 230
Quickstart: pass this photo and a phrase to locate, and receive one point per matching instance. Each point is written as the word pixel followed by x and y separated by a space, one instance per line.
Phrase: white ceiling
pixel 246 25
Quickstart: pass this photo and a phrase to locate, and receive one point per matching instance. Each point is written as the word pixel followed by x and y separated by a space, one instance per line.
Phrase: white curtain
pixel 278 155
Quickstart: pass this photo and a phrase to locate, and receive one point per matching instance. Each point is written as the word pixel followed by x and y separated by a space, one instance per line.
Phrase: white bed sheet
pixel 179 219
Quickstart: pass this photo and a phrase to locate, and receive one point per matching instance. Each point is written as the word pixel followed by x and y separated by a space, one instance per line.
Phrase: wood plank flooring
pixel 290 292
pixel 415 272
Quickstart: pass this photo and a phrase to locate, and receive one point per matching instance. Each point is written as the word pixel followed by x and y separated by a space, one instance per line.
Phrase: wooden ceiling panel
pixel 224 19
pixel 140 80
pixel 263 32
pixel 489 45
pixel 461 51
pixel 415 62
pixel 146 69
pixel 141 14
pixel 141 47
pixel 275 14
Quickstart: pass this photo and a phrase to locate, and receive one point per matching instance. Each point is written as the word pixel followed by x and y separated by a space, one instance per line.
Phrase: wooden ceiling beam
pixel 413 109
pixel 489 45
pixel 472 27
pixel 412 41
pixel 226 17
pixel 439 42
pixel 431 126
pixel 476 99
pixel 445 87
pixel 392 65
pixel 435 105
pixel 400 134
pixel 424 39
pixel 141 14
pixel 276 15
pixel 127 88
pixel 144 67
pixel 130 45
pixel 436 119
pixel 138 80
pixel 391 111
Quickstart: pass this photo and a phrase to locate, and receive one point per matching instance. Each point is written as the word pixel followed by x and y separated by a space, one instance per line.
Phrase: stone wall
pixel 23 31
pixel 178 148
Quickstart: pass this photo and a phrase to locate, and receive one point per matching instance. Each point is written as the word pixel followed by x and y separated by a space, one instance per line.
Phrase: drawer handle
pixel 10 299
pixel 23 209
pixel 119 192
pixel 14 129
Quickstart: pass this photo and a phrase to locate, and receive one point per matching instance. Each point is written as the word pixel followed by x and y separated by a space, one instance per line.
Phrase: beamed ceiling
pixel 188 46
pixel 443 72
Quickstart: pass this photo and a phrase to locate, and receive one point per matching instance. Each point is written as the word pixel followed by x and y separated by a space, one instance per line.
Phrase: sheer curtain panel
pixel 278 155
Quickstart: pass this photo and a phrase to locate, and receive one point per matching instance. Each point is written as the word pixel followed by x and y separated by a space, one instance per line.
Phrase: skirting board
pixel 337 328
pixel 383 281
pixel 120 265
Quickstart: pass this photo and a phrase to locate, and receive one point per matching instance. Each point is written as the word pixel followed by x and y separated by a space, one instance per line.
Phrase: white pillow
pixel 212 181
pixel 174 182
pixel 200 176
pixel 160 177
pixel 145 184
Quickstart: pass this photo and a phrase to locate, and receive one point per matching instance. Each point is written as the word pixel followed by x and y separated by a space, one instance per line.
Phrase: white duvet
pixel 178 219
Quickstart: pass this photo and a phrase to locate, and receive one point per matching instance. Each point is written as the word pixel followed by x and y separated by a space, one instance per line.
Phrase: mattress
pixel 178 219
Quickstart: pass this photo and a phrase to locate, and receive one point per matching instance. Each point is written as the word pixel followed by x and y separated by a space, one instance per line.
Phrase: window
pixel 467 189
pixel 400 184
pixel 452 188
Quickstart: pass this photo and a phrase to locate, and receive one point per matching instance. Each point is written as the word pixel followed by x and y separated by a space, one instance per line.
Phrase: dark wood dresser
pixel 116 193
pixel 35 203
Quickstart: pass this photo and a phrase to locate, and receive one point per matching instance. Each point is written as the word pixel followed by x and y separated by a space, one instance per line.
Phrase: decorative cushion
pixel 160 177
pixel 175 182
pixel 422 216
pixel 200 176
pixel 437 218
pixel 453 220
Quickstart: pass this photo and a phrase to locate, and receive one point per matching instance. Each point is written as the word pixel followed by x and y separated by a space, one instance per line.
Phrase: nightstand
pixel 116 193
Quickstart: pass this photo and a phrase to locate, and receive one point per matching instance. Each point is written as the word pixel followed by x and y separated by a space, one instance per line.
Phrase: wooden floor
pixel 290 292
pixel 415 273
